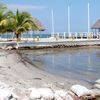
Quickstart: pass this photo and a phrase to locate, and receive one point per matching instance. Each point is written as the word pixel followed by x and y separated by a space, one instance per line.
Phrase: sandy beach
pixel 18 73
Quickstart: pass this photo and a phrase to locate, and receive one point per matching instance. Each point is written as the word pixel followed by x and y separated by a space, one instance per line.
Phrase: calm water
pixel 40 35
pixel 32 35
pixel 75 63
pixel 26 35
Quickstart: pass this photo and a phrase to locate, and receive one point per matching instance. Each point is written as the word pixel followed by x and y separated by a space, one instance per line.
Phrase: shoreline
pixel 17 72
pixel 20 80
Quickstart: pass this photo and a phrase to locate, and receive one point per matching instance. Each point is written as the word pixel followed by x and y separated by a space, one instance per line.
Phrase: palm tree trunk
pixel 18 35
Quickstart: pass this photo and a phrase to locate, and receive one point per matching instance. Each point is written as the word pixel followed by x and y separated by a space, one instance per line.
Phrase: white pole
pixel 88 17
pixel 31 35
pixel 69 21
pixel 64 35
pixel 52 14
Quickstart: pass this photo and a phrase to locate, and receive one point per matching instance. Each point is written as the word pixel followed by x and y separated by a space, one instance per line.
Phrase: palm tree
pixel 17 23
pixel 21 22
pixel 5 14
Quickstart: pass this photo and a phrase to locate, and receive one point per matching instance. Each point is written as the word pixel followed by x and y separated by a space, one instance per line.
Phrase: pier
pixel 75 35
pixel 59 39
pixel 63 40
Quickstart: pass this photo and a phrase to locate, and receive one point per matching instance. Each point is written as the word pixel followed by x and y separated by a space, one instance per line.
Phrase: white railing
pixel 64 35
pixel 77 34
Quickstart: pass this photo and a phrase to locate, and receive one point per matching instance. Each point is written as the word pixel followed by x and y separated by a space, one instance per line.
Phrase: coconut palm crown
pixel 21 22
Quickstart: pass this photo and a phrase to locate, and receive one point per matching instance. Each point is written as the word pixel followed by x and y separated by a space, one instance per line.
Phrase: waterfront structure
pixel 96 26
pixel 96 29
pixel 38 24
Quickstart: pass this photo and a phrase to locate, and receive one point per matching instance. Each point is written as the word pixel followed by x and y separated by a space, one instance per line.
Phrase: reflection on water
pixel 78 63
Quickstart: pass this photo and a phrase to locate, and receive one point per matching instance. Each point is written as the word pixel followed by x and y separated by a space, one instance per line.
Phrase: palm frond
pixel 27 26
pixel 3 22
pixel 9 14
pixel 20 30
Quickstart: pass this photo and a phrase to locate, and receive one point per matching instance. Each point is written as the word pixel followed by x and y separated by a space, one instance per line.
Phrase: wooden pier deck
pixel 50 43
pixel 59 43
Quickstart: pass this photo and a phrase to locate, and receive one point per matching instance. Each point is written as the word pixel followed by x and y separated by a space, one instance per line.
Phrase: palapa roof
pixel 38 24
pixel 96 25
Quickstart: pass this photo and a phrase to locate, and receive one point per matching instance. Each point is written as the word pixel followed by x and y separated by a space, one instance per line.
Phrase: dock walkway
pixel 44 42
pixel 59 42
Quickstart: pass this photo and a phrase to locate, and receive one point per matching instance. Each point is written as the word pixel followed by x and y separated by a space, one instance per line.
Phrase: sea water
pixel 25 35
pixel 80 63
pixel 32 35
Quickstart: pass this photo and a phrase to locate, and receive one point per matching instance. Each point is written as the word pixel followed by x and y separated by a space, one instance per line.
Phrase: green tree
pixel 5 14
pixel 17 23
pixel 21 22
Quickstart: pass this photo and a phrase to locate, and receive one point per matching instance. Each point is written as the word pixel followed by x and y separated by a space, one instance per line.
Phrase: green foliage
pixel 23 22
pixel 18 23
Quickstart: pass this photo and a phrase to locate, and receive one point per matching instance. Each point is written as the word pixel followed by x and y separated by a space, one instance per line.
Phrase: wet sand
pixel 18 73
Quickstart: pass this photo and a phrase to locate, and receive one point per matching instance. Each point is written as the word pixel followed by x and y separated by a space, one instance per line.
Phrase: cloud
pixel 25 7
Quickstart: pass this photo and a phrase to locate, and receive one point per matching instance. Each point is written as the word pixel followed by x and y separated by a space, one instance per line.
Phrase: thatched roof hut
pixel 38 24
pixel 96 26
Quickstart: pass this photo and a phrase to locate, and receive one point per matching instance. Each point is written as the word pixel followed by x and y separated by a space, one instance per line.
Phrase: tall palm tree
pixel 21 22
pixel 17 23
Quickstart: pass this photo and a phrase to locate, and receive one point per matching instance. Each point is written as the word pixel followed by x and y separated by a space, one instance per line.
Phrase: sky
pixel 41 9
